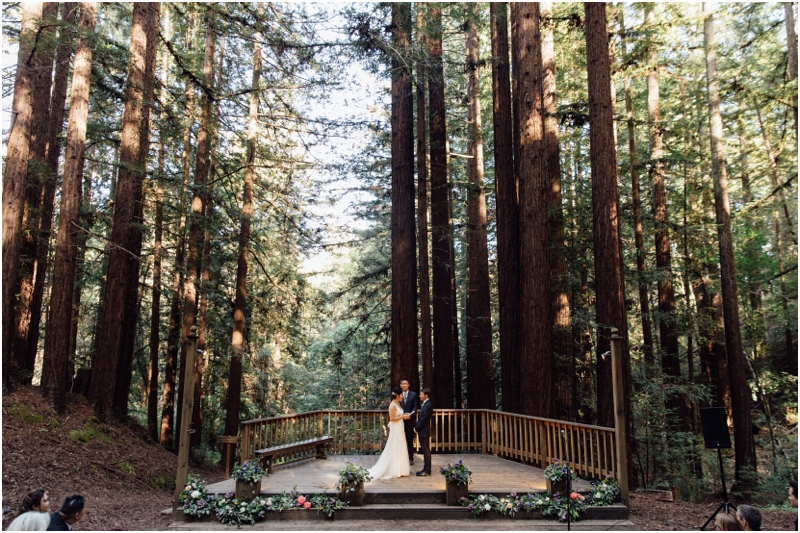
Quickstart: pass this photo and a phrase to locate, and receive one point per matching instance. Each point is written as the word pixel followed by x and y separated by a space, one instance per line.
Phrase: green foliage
pixel 165 482
pixel 352 474
pixel 20 411
pixel 127 468
pixel 248 472
pixel 458 473
pixel 91 430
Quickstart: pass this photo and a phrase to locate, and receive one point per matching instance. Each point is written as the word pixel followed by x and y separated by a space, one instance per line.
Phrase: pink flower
pixel 301 500
pixel 576 496
pixel 307 505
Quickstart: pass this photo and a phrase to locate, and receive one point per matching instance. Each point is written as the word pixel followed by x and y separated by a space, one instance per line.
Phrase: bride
pixel 393 461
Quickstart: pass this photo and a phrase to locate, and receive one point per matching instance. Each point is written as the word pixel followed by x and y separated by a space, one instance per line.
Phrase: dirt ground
pixel 121 472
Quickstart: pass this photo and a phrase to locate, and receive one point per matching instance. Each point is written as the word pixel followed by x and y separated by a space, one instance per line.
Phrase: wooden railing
pixel 590 450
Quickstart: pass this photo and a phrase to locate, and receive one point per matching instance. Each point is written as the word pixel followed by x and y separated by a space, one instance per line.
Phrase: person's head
pixel 749 517
pixel 727 522
pixel 424 394
pixel 404 385
pixel 793 492
pixel 397 393
pixel 38 500
pixel 72 509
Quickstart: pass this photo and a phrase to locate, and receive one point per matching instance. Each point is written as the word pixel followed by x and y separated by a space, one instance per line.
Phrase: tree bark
pixel 443 395
pixel 155 312
pixel 15 176
pixel 535 329
pixel 791 45
pixel 69 13
pixel 565 404
pixel 42 65
pixel 240 304
pixel 609 279
pixel 193 257
pixel 744 445
pixel 641 267
pixel 110 367
pixel 404 359
pixel 506 193
pixel 55 368
pixel 173 335
pixel 480 388
pixel 422 211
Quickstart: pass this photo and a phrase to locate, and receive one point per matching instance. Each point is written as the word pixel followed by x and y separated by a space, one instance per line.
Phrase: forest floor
pixel 127 479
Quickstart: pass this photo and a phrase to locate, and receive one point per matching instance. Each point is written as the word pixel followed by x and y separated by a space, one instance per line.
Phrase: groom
pixel 422 428
pixel 410 404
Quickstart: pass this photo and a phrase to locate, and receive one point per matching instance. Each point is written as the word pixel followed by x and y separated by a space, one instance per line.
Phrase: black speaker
pixel 715 427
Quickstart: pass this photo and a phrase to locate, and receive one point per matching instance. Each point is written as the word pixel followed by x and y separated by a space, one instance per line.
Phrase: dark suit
pixel 410 404
pixel 57 523
pixel 423 427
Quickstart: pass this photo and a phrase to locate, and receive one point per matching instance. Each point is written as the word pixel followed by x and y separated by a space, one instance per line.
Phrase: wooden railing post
pixel 484 429
pixel 319 424
pixel 619 416
pixel 245 442
pixel 186 417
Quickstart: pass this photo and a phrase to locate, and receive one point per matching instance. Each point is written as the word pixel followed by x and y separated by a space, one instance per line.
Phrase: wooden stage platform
pixel 490 475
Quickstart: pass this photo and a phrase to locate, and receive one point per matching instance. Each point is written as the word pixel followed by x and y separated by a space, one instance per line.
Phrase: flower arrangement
pixel 604 492
pixel 559 507
pixel 458 473
pixel 326 504
pixel 194 497
pixel 559 471
pixel 351 474
pixel 248 472
pixel 230 510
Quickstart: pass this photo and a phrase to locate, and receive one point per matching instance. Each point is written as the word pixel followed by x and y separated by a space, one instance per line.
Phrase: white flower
pixel 188 487
pixel 503 500
pixel 487 507
pixel 604 486
pixel 195 494
pixel 482 497
pixel 269 501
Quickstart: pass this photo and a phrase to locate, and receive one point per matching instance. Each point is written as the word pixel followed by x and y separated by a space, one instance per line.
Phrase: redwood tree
pixel 535 324
pixel 506 193
pixel 55 368
pixel 443 359
pixel 404 360
pixel 609 279
pixel 744 445
pixel 123 263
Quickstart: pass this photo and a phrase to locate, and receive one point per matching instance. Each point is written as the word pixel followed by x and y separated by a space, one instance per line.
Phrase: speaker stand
pixel 726 505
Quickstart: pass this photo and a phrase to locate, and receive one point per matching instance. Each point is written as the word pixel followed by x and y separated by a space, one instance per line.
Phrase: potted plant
pixel 457 477
pixel 248 479
pixel 352 477
pixel 557 475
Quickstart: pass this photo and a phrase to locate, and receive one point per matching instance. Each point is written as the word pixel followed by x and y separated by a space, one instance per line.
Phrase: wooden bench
pixel 268 455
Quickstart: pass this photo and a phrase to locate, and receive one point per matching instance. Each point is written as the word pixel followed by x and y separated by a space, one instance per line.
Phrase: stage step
pixel 425 512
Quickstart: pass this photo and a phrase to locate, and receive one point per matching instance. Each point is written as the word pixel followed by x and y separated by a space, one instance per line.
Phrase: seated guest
pixel 793 497
pixel 34 517
pixel 727 522
pixel 749 517
pixel 71 512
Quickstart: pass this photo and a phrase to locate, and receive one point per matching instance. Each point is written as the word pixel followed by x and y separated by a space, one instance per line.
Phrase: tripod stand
pixel 726 505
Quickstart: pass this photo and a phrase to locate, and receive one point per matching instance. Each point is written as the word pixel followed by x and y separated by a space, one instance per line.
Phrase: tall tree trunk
pixel 668 335
pixel 55 369
pixel 205 282
pixel 404 359
pixel 172 365
pixel 744 445
pixel 422 211
pixel 506 191
pixel 42 65
pixel 155 312
pixel 641 268
pixel 791 44
pixel 773 167
pixel 609 279
pixel 565 404
pixel 480 388
pixel 110 367
pixel 240 304
pixel 535 321
pixel 193 257
pixel 457 382
pixel 15 176
pixel 69 13
pixel 443 395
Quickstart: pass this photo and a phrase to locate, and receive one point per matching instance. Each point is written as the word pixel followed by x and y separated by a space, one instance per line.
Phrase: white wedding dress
pixel 393 461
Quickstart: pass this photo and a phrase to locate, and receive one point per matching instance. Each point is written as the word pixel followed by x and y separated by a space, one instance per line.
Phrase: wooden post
pixel 319 424
pixel 186 418
pixel 244 453
pixel 484 429
pixel 619 416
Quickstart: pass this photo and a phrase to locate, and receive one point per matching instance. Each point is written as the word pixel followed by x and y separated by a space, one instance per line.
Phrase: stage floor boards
pixel 489 475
